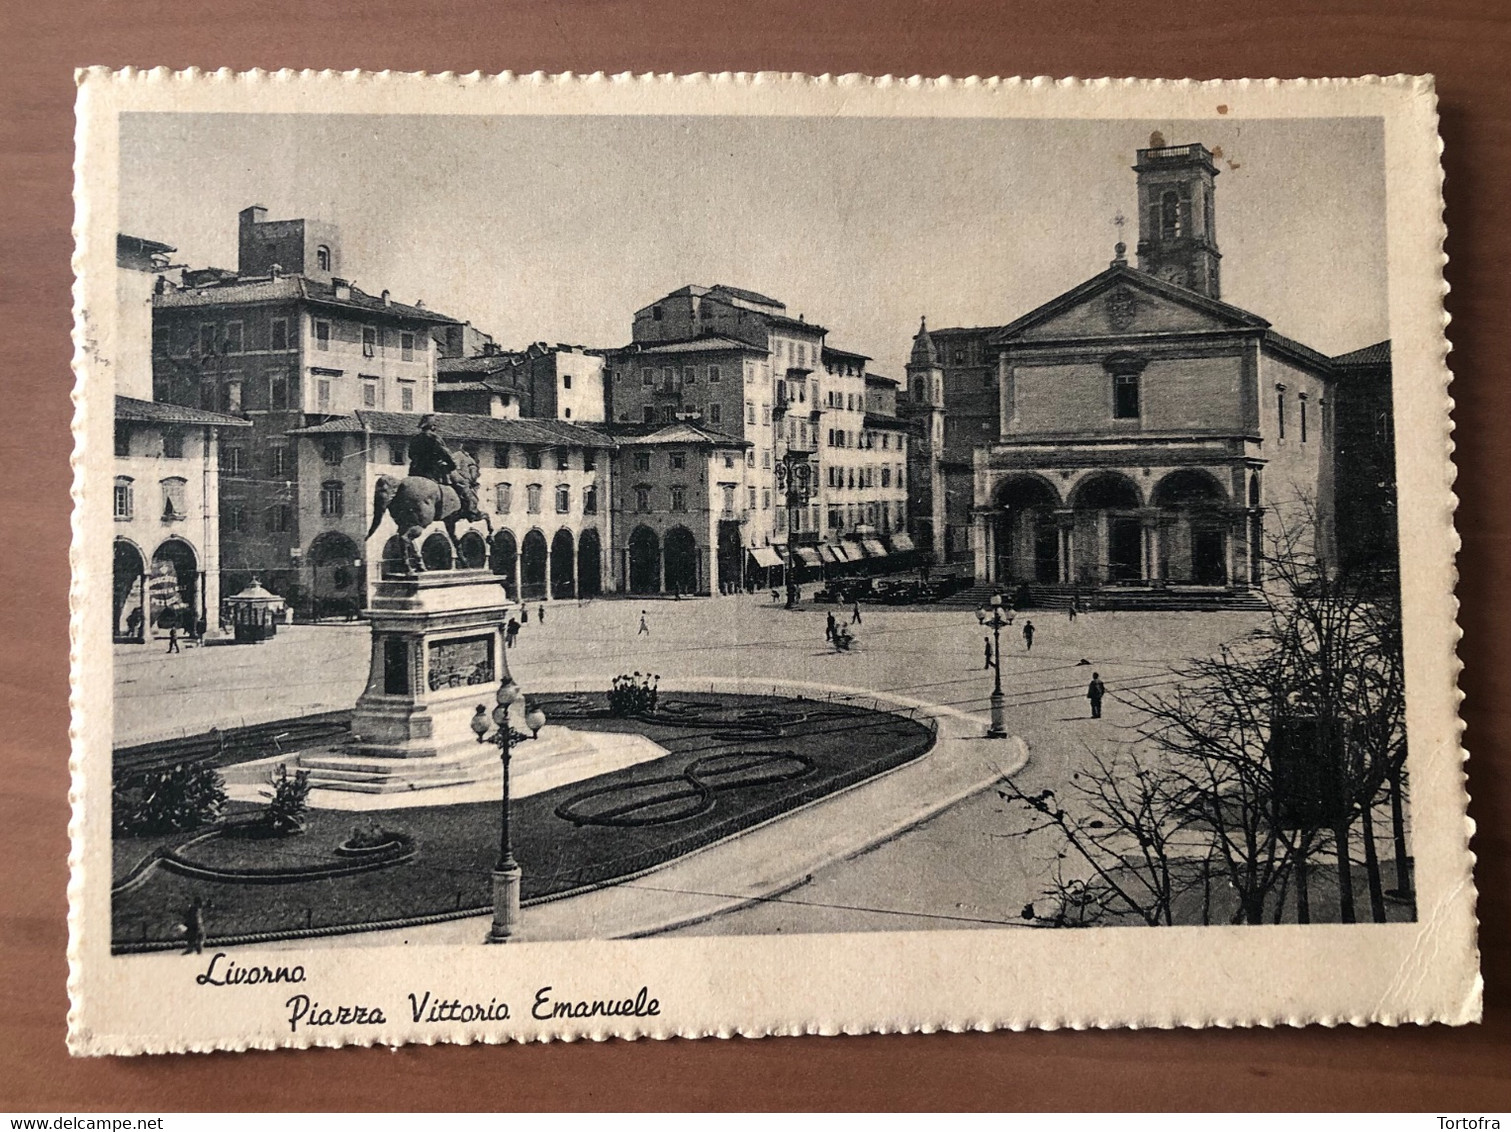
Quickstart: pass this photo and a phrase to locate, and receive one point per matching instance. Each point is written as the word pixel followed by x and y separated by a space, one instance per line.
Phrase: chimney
pixel 419 304
pixel 341 288
pixel 276 270
pixel 253 214
pixel 387 302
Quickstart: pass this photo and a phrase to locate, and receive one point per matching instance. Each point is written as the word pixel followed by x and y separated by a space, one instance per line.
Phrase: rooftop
pixel 464 426
pixel 282 288
pixel 694 345
pixel 160 412
pixel 682 432
pixel 1376 355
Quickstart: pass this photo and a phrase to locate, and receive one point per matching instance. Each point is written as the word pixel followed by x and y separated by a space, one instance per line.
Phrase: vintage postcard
pixel 597 556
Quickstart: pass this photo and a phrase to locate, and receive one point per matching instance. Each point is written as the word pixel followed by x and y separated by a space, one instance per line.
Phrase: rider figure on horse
pixel 429 457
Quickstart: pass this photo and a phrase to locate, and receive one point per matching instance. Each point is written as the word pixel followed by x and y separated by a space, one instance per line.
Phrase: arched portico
pixel 563 565
pixel 503 560
pixel 174 586
pixel 1107 543
pixel 1195 528
pixel 1026 539
pixel 533 556
pixel 645 561
pixel 336 575
pixel 681 554
pixel 589 564
pixel 129 616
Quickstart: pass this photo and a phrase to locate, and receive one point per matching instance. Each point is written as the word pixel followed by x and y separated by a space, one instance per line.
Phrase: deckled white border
pixel 831 984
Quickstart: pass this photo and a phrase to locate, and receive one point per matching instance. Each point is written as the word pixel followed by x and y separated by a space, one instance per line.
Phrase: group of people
pixel 1096 691
pixel 839 635
pixel 511 630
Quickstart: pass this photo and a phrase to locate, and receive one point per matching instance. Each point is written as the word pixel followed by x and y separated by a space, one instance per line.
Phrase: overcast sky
pixel 559 228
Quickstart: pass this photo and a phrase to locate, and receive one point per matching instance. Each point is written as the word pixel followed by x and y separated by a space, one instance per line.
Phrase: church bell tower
pixel 1177 216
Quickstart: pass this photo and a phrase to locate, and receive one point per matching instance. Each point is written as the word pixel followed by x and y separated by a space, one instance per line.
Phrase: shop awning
pixel 808 556
pixel 830 554
pixel 873 547
pixel 848 553
pixel 902 543
pixel 764 556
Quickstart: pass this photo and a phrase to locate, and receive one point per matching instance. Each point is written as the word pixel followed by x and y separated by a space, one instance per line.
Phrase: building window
pixel 679 497
pixel 369 341
pixel 714 376
pixel 765 457
pixel 124 503
pixel 173 444
pixel 765 499
pixel 1280 409
pixel 122 439
pixel 406 346
pixel 677 461
pixel 322 258
pixel 206 339
pixel 563 459
pixel 563 499
pixel 1169 215
pixel 278 334
pixel 648 414
pixel 503 497
pixel 589 460
pixel 532 498
pixel 230 396
pixel 234 519
pixel 232 459
pixel 643 499
pixel 1125 396
pixel 689 375
pixel 278 389
pixel 369 393
pixel 332 499
pixel 234 336
pixel 279 518
pixel 715 412
pixel 174 505
pixel 647 378
pixel 729 498
pixel 1303 418
pixel 532 458
pixel 207 394
pixel 322 336
pixel 656 314
pixel 278 460
pixel 323 395
pixel 332 451
pixel 751 496
pixel 590 500
pixel 642 461
pixel 750 457
pixel 886 476
pixel 398 452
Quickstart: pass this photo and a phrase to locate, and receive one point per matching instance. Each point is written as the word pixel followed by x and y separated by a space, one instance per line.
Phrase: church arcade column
pixel 1065 521
pixel 1149 531
pixel 984 544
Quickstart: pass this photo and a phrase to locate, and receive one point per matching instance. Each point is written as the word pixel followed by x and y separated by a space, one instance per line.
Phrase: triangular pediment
pixel 1122 300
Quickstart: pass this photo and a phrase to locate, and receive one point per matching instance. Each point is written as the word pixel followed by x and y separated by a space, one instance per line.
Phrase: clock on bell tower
pixel 1177 216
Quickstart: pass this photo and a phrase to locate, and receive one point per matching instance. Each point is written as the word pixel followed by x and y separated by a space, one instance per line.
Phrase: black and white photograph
pixel 823 533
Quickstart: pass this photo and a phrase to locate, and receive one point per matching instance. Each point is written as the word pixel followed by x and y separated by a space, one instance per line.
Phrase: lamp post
pixel 506 872
pixel 993 617
pixel 794 478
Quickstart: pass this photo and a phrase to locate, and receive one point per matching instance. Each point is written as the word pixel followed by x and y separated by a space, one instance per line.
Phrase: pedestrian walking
pixel 134 623
pixel 855 613
pixel 173 638
pixel 1094 692
pixel 773 597
pixel 644 628
pixel 987 641
pixel 524 614
pixel 194 929
pixel 511 633
pixel 830 626
pixel 542 613
pixel 1028 635
pixel 1073 610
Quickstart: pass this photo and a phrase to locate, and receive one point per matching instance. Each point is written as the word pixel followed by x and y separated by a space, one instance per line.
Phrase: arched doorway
pixel 532 567
pixel 129 617
pixel 645 561
pixel 1194 543
pixel 1026 537
pixel 563 559
pixel 174 586
pixel 1108 536
pixel 731 557
pixel 589 564
pixel 336 577
pixel 503 560
pixel 681 554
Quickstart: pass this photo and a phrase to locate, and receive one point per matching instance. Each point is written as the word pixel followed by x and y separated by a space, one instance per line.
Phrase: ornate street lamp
pixel 506 873
pixel 993 617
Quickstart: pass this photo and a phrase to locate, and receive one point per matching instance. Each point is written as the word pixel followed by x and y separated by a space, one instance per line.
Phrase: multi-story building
pixel 165 497
pixel 1148 436
pixel 545 486
pixel 1365 478
pixel 683 496
pixel 282 343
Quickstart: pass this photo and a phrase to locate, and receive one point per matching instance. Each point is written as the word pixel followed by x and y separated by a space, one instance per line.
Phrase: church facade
pixel 1148 441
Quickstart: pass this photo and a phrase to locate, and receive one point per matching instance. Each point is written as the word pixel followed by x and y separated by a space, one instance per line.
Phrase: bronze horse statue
pixel 415 502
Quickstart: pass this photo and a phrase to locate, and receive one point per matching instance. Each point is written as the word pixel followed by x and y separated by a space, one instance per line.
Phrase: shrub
pixel 288 801
pixel 182 797
pixel 634 695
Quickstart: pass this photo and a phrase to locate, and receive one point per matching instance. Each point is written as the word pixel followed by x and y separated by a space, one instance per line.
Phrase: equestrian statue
pixel 441 487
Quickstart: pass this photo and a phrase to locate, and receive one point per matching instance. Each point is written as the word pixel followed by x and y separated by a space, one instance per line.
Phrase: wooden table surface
pixel 1466 43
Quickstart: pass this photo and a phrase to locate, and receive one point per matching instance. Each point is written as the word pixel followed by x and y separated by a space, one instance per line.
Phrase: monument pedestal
pixel 437 653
